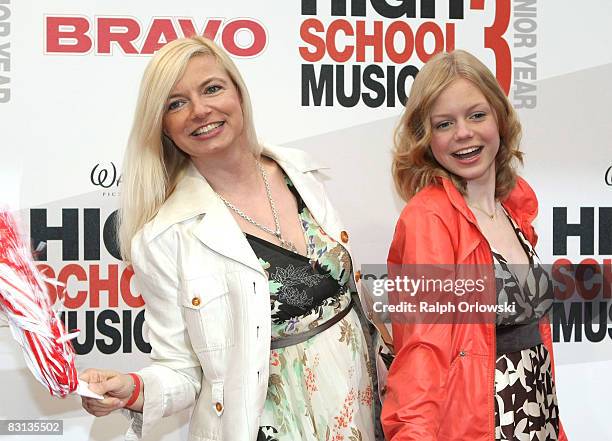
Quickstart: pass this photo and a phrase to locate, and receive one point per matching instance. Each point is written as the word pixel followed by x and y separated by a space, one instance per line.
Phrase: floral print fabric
pixel 525 396
pixel 321 389
pixel 533 298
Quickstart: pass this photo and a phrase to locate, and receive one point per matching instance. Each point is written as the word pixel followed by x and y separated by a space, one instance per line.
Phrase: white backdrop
pixel 68 84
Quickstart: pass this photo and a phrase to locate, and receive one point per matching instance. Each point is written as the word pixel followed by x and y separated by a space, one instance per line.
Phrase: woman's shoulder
pixel 191 197
pixel 431 200
pixel 299 159
pixel 523 191
pixel 522 201
pixel 427 229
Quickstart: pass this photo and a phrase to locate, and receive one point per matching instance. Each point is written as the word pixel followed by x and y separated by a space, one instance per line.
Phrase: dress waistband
pixel 515 338
pixel 295 339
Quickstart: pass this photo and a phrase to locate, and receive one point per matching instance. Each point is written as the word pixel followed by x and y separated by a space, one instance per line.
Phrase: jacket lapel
pixel 521 204
pixel 468 242
pixel 297 164
pixel 217 228
pixel 219 231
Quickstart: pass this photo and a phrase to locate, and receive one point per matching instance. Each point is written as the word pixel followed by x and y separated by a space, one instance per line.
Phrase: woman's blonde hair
pixel 414 165
pixel 152 163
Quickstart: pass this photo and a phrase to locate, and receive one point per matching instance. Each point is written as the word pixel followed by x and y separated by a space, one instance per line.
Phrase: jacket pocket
pixel 467 396
pixel 208 314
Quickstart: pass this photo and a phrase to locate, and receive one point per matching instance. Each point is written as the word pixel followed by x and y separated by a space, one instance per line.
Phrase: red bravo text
pixel 105 35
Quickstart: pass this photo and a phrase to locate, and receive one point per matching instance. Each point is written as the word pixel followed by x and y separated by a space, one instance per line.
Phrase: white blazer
pixel 208 306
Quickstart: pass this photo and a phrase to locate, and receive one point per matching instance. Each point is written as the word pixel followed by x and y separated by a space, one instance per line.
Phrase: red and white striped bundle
pixel 31 317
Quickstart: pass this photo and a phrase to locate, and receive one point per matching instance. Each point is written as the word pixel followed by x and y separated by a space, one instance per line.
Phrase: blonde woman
pixel 454 163
pixel 243 265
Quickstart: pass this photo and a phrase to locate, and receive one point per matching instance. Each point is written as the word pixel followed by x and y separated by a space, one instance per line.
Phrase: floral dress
pixel 525 396
pixel 320 389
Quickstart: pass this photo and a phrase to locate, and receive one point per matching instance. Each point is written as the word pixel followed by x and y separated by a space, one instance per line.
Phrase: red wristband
pixel 135 392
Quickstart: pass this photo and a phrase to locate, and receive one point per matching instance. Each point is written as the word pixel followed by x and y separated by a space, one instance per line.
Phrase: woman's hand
pixel 115 386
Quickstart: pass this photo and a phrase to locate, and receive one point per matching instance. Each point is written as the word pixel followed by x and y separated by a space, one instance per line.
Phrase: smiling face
pixel 203 114
pixel 465 136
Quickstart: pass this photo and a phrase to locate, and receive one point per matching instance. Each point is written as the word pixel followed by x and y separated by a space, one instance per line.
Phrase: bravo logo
pixel 241 37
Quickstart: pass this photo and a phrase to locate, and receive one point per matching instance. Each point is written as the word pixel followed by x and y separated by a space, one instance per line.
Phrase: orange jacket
pixel 441 384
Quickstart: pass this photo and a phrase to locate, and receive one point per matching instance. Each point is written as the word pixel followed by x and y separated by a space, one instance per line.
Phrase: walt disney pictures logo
pixel 107 177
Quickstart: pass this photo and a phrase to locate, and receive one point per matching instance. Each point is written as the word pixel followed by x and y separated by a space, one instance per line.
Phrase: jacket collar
pixel 457 200
pixel 521 204
pixel 217 229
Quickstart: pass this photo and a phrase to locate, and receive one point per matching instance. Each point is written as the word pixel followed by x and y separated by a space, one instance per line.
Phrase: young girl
pixel 456 147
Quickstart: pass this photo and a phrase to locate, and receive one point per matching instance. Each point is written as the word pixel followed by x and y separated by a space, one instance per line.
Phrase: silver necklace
pixel 288 245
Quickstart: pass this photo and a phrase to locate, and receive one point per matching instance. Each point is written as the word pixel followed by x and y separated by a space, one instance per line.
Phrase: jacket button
pixel 357 276
pixel 344 236
pixel 218 407
pixel 195 301
pixel 462 354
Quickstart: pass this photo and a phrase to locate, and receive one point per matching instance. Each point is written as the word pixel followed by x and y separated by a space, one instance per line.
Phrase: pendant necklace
pixel 491 216
pixel 286 244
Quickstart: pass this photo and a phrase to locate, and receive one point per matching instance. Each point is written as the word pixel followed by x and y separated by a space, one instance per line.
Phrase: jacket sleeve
pixel 172 382
pixel 416 384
